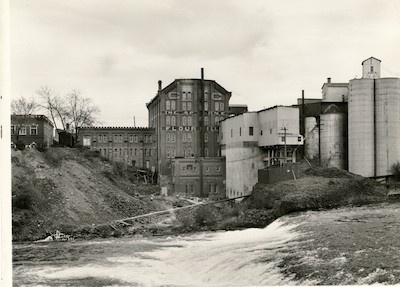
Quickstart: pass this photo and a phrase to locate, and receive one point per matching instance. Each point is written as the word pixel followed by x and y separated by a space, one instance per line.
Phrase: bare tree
pixel 54 104
pixel 21 108
pixel 81 111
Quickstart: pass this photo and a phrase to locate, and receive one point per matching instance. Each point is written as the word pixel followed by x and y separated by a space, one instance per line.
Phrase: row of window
pixel 130 152
pixel 187 152
pixel 23 130
pixel 170 105
pixel 119 138
pixel 190 167
pixel 187 121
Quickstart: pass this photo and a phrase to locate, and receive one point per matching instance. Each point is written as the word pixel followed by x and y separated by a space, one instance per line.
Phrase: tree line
pixel 71 111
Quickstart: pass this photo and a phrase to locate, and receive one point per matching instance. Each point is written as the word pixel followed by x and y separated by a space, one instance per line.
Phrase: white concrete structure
pixel 373 121
pixel 255 140
pixel 335 92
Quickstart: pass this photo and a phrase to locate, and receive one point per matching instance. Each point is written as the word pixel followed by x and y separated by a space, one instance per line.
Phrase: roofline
pixel 184 79
pixel 118 128
pixel 333 84
pixel 370 58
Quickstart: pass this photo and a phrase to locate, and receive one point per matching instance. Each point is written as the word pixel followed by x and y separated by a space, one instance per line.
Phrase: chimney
pixel 329 80
pixel 202 74
pixel 160 85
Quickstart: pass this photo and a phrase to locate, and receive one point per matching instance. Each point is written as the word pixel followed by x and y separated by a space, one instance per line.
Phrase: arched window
pixel 183 121
pixel 168 105
pixel 189 120
pixel 168 121
pixel 184 137
pixel 206 121
pixel 173 120
pixel 189 96
pixel 216 121
pixel 183 96
pixel 173 105
pixel 206 106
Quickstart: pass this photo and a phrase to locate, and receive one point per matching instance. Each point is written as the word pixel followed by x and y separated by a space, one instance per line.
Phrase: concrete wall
pixel 311 141
pixel 387 103
pixel 335 92
pixel 361 127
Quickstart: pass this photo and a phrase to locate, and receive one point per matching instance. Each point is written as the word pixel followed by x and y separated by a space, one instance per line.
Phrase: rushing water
pixel 233 258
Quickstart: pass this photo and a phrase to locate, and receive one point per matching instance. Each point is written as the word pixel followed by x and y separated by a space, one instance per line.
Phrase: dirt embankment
pixel 74 191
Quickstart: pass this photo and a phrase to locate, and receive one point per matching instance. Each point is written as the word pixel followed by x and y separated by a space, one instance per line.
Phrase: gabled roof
pixel 370 58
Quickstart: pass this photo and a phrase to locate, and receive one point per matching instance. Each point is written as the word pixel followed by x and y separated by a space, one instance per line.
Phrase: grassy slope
pixel 66 188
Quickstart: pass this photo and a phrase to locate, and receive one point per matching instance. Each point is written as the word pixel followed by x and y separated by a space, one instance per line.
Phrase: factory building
pixel 186 116
pixel 255 140
pixel 374 121
pixel 133 146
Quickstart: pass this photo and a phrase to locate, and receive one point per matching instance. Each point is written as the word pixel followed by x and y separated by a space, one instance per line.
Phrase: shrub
pixel 395 170
pixel 20 145
pixel 205 216
pixel 22 200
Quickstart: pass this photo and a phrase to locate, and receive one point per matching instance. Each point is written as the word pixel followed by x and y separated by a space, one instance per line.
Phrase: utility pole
pixel 284 136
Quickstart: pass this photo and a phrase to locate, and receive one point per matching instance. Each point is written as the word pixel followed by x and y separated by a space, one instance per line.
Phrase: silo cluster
pixel 374 125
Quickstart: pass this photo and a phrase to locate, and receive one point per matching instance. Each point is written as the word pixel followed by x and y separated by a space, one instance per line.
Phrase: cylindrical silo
pixel 361 127
pixel 311 140
pixel 333 139
pixel 387 103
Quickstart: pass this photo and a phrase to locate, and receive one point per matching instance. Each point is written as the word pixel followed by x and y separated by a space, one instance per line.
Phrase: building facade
pixel 32 130
pixel 186 116
pixel 255 140
pixel 130 145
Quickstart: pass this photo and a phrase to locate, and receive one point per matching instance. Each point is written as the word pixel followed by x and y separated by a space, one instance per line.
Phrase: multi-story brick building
pixel 131 145
pixel 186 116
pixel 32 130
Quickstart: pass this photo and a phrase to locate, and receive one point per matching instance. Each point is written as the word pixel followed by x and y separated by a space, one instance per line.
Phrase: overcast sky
pixel 264 52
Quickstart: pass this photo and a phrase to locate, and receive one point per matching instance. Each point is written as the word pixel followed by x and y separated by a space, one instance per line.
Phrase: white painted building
pixel 254 140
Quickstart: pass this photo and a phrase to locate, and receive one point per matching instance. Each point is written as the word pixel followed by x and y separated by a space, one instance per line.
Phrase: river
pixel 344 246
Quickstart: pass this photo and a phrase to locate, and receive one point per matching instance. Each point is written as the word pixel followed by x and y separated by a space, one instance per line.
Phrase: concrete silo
pixel 333 138
pixel 387 109
pixel 311 140
pixel 361 127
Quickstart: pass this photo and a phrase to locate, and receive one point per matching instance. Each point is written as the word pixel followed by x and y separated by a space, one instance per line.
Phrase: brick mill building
pixel 134 146
pixel 32 130
pixel 186 116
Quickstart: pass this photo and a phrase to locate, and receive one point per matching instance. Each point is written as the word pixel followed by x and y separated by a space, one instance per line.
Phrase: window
pixel 147 164
pixel 22 131
pixel 173 120
pixel 86 140
pixel 130 151
pixel 133 162
pixel 115 152
pixel 13 130
pixel 299 139
pixel 206 96
pixel 189 137
pixel 120 138
pixel 189 106
pixel 231 133
pixel 33 130
pixel 189 120
pixel 206 121
pixel 173 105
pixel 216 120
pixel 189 152
pixel 206 152
pixel 210 188
pixel 150 138
pixel 145 138
pixel 216 106
pixel 167 137
pixel 184 137
pixel 168 120
pixel 173 137
pixel 131 138
pixel 240 131
pixel 372 69
pixel 270 131
pixel 261 132
pixel 168 152
pixel 120 151
pixel 218 168
pixel 251 132
pixel 183 96
pixel 168 105
pixel 206 106
pixel 189 96
pixel 183 121
pixel 221 106
pixel 104 138
pixel 136 151
pixel 184 106
pixel 283 139
pixel 206 137
pixel 216 188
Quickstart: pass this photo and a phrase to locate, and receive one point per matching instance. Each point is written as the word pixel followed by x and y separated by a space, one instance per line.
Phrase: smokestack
pixel 202 74
pixel 329 80
pixel 160 85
